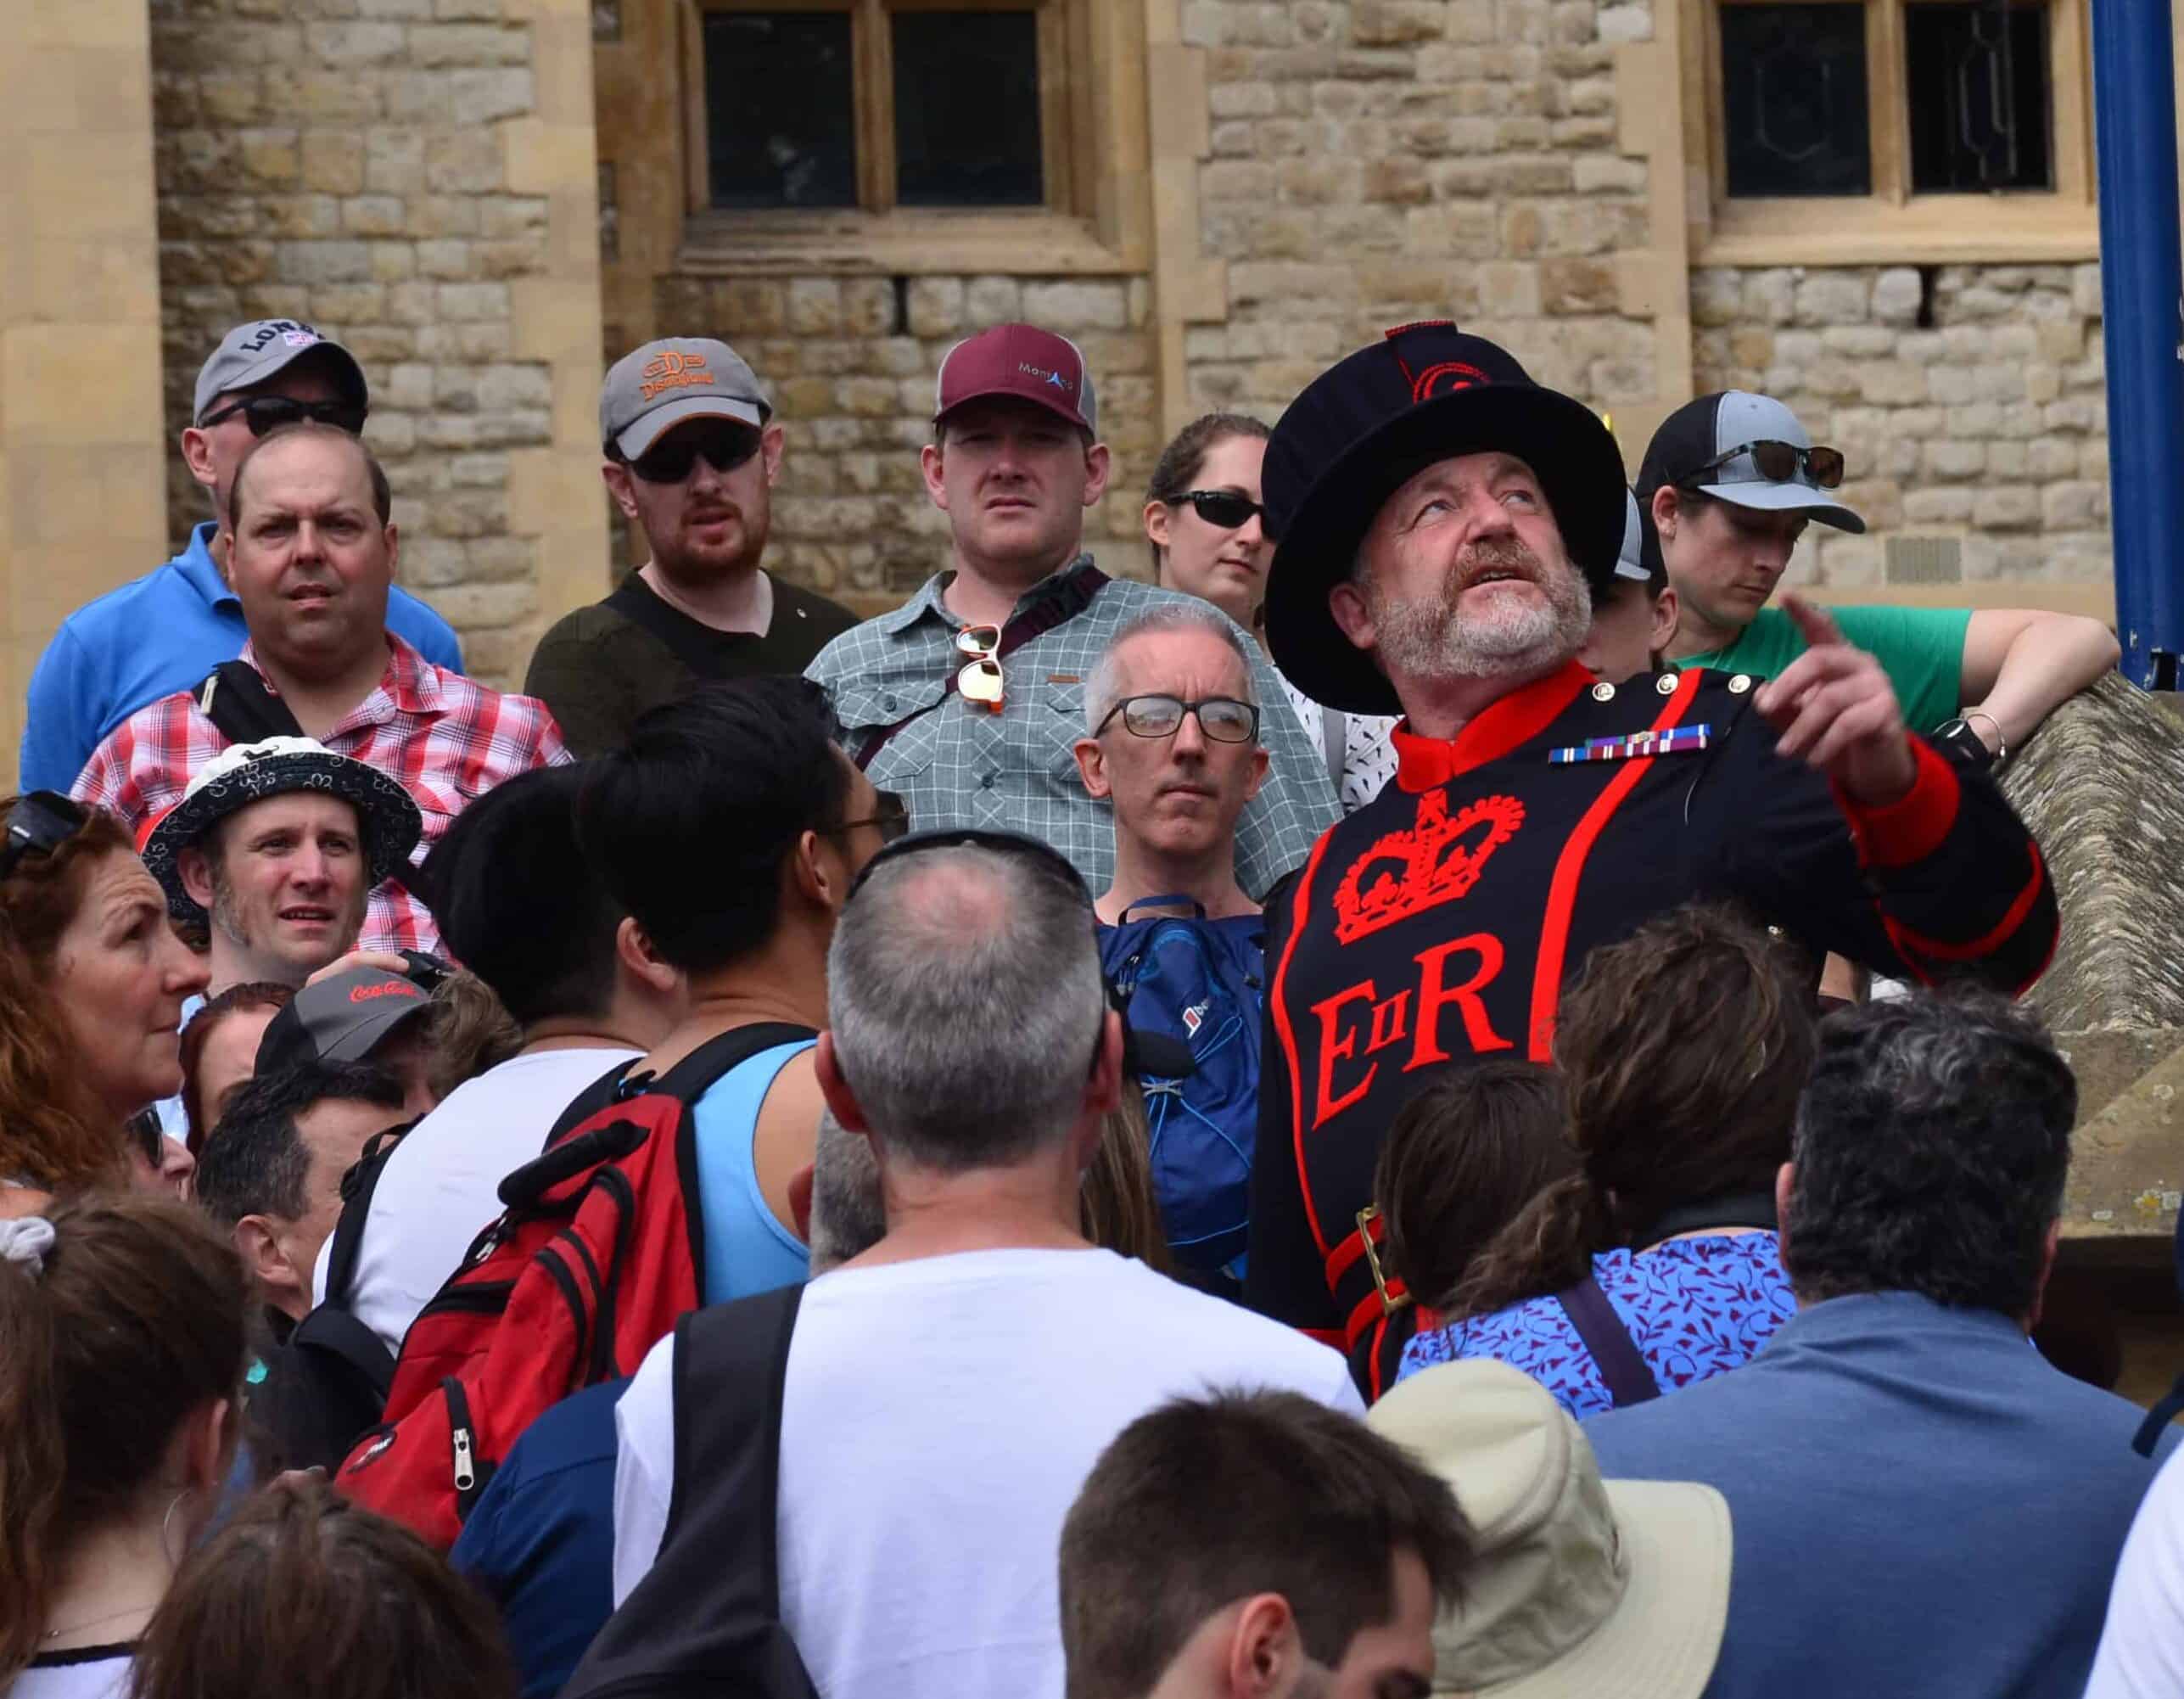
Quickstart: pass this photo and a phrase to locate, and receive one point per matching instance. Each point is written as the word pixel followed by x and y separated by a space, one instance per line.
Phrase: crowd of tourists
pixel 1420 1091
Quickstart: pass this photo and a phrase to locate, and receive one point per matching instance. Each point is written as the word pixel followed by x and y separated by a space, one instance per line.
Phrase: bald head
pixel 308 436
pixel 964 991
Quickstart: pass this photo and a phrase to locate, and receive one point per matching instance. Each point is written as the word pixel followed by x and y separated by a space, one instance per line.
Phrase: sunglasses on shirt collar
pixel 39 823
pixel 722 444
pixel 263 413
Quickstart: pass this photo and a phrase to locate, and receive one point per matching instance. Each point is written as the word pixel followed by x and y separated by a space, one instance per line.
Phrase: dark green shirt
pixel 601 667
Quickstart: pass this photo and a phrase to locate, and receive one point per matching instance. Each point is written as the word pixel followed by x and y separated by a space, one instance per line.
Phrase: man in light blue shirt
pixel 164 631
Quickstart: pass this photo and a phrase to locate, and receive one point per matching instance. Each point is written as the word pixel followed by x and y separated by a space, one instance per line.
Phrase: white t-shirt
pixel 937 1419
pixel 2141 1653
pixel 442 1184
pixel 91 1672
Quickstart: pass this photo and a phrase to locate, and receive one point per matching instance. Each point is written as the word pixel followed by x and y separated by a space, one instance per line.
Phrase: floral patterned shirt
pixel 1694 1308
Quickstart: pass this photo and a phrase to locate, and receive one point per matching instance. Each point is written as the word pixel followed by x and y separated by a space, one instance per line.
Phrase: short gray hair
pixel 1187 614
pixel 965 994
pixel 848 1216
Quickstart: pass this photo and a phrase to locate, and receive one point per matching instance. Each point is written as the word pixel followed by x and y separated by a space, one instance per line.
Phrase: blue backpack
pixel 1203 982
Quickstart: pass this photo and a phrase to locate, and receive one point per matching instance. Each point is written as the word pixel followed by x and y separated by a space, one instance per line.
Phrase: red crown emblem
pixel 1413 871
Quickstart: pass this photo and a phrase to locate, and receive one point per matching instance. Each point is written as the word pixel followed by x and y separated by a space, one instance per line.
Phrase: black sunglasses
pixel 263 413
pixel 722 446
pixel 1224 507
pixel 40 824
pixel 1779 463
pixel 1221 718
pixel 890 817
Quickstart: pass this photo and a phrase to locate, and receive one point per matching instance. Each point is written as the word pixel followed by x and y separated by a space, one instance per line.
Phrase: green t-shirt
pixel 1921 650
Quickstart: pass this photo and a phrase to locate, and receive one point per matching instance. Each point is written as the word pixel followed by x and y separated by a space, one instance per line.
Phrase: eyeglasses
pixel 39 824
pixel 263 413
pixel 1779 462
pixel 722 447
pixel 890 818
pixel 1221 718
pixel 1226 509
pixel 980 681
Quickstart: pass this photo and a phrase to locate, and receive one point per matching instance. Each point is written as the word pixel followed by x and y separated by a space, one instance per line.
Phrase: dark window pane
pixel 779 109
pixel 966 109
pixel 1979 97
pixel 1794 99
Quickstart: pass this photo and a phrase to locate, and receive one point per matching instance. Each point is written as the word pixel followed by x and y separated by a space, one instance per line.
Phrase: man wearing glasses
pixel 1732 480
pixel 968 698
pixel 164 631
pixel 692 452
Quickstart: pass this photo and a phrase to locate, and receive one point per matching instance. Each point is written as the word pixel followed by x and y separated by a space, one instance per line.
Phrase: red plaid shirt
pixel 447 738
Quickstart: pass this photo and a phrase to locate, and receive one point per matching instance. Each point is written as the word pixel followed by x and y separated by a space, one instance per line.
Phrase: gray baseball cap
pixel 1630 560
pixel 650 391
pixel 251 353
pixel 1713 436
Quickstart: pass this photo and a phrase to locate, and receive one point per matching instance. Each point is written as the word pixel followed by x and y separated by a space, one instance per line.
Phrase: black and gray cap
pixel 251 353
pixel 1707 437
pixel 653 388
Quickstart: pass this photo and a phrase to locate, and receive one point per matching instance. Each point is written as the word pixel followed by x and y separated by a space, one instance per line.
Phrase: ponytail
pixel 130 1320
pixel 31 1458
pixel 1547 1246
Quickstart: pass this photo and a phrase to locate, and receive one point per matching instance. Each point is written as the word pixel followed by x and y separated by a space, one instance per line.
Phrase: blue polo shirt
pixel 149 639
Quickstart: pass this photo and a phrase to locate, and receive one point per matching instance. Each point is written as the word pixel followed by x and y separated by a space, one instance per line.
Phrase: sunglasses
pixel 1045 857
pixel 980 680
pixel 890 818
pixel 1221 718
pixel 263 413
pixel 1224 508
pixel 39 824
pixel 1779 463
pixel 722 447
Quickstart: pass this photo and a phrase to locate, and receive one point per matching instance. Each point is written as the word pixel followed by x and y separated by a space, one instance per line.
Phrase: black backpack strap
pixel 589 1102
pixel 705 1618
pixel 235 697
pixel 1615 1353
pixel 1069 598
pixel 335 1328
pixel 680 635
pixel 357 1186
pixel 696 1074
pixel 2164 1411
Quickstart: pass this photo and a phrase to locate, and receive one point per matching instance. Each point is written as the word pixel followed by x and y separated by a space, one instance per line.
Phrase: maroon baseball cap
pixel 1023 361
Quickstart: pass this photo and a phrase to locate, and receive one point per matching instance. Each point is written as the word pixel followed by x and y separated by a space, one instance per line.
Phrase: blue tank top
pixel 746 1249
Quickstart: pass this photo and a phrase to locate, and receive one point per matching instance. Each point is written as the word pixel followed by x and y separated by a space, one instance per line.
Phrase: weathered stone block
pixel 935 306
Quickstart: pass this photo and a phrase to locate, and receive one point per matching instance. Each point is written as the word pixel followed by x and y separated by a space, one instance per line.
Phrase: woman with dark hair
pixel 301 1592
pixel 1207 527
pixel 1462 1159
pixel 1684 1050
pixel 121 1331
pixel 92 979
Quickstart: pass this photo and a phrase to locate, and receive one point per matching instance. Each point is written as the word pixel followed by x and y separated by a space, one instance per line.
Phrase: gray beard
pixel 1428 638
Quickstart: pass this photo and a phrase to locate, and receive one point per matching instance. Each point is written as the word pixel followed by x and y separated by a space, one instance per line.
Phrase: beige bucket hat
pixel 1585 1589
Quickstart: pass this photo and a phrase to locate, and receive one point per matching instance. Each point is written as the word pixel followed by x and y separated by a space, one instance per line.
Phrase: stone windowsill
pixel 902 243
pixel 1923 230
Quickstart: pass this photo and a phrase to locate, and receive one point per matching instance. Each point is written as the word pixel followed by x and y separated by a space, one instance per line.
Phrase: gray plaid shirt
pixel 960 764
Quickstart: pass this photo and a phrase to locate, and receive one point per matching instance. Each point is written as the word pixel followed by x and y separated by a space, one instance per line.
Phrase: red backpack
pixel 601 1250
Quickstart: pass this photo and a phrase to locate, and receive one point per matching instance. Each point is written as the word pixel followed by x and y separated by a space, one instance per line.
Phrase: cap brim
pixel 1571 453
pixel 392 822
pixel 649 429
pixel 1665 1633
pixel 1787 498
pixel 276 360
pixel 1068 416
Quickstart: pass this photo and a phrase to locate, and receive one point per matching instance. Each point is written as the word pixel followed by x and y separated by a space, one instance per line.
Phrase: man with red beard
pixel 692 454
pixel 1444 523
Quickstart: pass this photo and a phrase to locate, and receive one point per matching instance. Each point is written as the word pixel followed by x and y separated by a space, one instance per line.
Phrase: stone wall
pixel 414 177
pixel 1394 160
pixel 1968 400
pixel 851 363
pixel 81 500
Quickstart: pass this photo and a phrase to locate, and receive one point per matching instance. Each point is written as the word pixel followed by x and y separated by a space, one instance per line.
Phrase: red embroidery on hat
pixel 365 993
pixel 1419 324
pixel 1425 867
pixel 1444 379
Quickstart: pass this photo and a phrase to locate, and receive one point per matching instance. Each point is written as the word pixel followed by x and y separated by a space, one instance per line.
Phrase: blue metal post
pixel 2142 298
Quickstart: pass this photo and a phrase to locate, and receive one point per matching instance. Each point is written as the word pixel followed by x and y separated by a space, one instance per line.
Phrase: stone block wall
pixel 1968 400
pixel 414 177
pixel 1394 160
pixel 81 503
pixel 851 365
